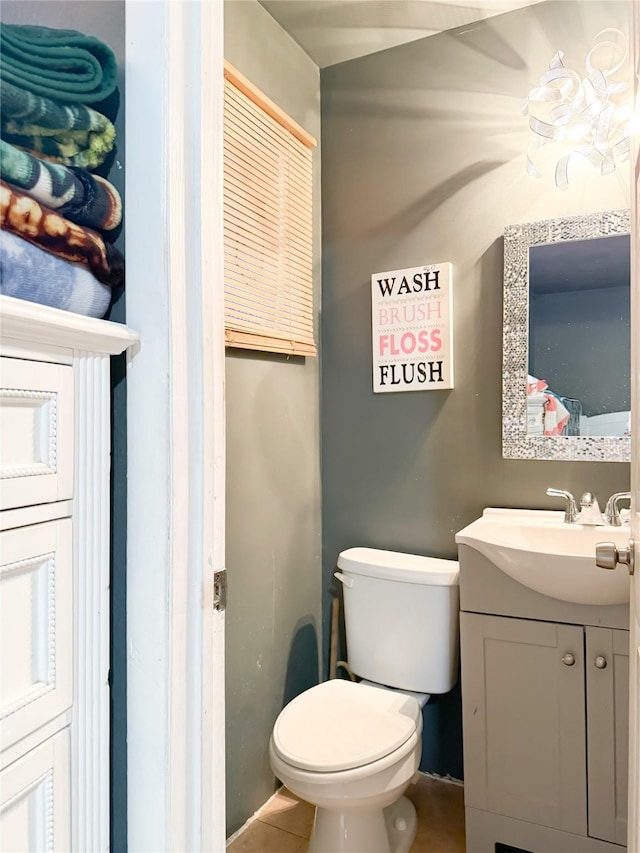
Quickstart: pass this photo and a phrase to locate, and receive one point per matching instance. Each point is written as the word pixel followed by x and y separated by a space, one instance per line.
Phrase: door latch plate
pixel 220 590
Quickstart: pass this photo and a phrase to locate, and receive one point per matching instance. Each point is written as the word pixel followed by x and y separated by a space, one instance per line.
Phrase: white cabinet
pixel 36 429
pixel 54 577
pixel 34 799
pixel 36 627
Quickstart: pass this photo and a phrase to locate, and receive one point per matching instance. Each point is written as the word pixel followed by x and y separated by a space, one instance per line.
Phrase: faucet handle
pixel 571 510
pixel 611 512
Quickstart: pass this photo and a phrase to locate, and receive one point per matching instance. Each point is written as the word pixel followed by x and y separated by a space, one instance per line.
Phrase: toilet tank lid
pixel 396 566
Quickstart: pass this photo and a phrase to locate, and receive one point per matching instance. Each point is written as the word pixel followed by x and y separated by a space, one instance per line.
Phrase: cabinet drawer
pixel 36 432
pixel 36 630
pixel 35 804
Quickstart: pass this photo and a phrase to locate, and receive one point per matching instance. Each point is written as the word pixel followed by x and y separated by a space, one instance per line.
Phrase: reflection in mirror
pixel 566 383
pixel 579 337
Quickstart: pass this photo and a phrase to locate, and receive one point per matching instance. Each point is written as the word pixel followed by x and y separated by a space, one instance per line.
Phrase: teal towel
pixel 61 64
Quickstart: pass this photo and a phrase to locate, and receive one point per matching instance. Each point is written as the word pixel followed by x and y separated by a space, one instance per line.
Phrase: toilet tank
pixel 401 618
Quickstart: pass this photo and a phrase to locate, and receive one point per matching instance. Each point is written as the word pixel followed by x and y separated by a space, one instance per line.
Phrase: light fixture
pixel 586 116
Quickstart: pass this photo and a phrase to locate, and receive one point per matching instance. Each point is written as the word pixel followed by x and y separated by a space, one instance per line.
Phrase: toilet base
pixel 366 830
pixel 402 825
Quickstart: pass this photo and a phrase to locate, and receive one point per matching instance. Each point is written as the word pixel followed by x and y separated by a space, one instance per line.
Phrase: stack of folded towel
pixel 58 212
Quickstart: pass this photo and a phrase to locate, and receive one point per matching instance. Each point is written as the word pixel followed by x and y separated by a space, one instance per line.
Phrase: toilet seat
pixel 340 725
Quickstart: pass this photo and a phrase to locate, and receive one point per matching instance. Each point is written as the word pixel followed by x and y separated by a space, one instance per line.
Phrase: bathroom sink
pixel 540 550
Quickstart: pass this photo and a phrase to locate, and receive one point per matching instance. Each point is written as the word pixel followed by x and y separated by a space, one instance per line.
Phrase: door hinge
pixel 220 590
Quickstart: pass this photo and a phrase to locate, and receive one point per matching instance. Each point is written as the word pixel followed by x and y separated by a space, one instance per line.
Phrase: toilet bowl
pixel 351 750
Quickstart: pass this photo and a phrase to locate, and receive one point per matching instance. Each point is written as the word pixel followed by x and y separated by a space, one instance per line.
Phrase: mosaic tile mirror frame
pixel 518 442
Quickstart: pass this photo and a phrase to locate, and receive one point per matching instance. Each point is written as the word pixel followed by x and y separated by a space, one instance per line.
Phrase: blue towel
pixel 27 272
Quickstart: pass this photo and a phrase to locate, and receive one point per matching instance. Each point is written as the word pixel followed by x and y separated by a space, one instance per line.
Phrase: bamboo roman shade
pixel 268 261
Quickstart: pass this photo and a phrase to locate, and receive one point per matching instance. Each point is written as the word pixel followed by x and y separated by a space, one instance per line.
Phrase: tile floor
pixel 284 823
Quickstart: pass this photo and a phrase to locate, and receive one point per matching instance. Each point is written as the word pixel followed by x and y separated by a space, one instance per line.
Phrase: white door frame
pixel 175 402
pixel 633 837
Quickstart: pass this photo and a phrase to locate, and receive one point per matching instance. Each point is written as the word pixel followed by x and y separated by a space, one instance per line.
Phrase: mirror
pixel 566 338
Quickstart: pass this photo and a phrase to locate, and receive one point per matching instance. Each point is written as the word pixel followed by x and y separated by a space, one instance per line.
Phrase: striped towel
pixel 75 193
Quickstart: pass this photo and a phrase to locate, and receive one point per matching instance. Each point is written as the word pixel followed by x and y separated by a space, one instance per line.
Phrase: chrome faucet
pixel 571 510
pixel 611 512
pixel 590 510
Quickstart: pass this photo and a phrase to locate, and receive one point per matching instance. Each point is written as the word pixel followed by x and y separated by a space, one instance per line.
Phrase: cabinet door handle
pixel 600 662
pixel 568 659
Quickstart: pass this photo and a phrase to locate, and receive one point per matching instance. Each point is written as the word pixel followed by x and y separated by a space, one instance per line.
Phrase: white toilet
pixel 350 748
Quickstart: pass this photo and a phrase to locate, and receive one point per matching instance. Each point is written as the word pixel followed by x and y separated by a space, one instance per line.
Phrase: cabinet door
pixel 36 627
pixel 36 432
pixel 607 664
pixel 524 720
pixel 35 810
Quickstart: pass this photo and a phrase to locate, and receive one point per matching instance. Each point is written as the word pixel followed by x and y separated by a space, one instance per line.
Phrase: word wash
pixel 411 328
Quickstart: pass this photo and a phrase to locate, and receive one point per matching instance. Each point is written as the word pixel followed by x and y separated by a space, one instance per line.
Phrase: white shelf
pixel 22 321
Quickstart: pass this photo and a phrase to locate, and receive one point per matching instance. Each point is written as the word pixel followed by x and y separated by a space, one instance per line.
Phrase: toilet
pixel 352 748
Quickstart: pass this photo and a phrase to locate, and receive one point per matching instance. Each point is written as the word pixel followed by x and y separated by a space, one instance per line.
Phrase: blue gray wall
pixel 273 473
pixel 424 162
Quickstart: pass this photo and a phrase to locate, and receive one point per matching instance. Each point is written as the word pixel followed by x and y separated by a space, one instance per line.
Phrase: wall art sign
pixel 412 329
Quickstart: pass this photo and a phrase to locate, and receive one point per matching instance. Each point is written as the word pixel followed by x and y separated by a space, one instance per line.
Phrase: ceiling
pixel 578 265
pixel 332 31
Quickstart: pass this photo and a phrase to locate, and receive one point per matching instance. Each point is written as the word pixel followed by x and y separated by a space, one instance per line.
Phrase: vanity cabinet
pixel 545 717
pixel 532 752
pixel 54 576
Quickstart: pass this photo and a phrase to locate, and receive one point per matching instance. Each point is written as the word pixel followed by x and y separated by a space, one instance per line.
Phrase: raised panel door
pixel 36 627
pixel 36 432
pixel 35 813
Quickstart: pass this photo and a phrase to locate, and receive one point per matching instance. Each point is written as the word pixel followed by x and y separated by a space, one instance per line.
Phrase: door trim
pixel 175 710
pixel 633 826
pixel 213 776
